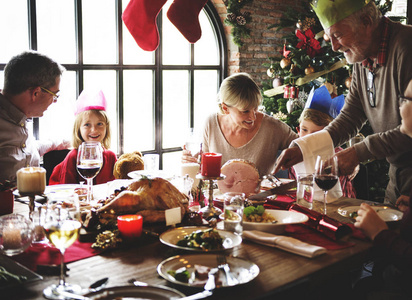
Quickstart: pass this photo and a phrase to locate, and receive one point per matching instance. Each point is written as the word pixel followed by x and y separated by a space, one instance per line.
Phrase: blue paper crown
pixel 321 100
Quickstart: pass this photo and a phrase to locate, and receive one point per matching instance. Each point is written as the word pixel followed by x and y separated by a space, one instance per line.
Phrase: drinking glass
pixel 326 174
pixel 62 225
pixel 234 204
pixel 89 163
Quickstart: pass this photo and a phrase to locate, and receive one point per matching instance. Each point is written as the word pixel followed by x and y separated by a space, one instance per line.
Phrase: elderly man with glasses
pixel 31 85
pixel 381 53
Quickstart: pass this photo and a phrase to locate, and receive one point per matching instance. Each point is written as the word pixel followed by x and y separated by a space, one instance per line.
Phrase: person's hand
pixel 354 173
pixel 347 160
pixel 288 158
pixel 369 222
pixel 402 203
pixel 187 156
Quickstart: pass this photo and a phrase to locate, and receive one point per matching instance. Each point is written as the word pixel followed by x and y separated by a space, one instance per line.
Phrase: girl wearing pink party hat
pixel 91 125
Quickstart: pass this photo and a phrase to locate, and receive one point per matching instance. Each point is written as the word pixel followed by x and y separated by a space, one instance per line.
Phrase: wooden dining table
pixel 281 273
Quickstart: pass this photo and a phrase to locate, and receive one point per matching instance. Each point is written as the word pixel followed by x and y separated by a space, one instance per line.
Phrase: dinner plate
pixel 171 237
pixel 150 174
pixel 136 292
pixel 282 217
pixel 243 270
pixel 387 213
pixel 17 269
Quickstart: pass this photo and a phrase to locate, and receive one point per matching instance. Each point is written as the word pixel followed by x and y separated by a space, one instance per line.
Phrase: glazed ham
pixel 241 176
pixel 149 198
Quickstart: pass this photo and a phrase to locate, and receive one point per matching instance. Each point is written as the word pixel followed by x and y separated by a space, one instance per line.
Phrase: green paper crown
pixel 330 12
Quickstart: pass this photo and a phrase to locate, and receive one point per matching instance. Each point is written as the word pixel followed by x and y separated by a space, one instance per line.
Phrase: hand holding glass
pixel 326 174
pixel 89 163
pixel 62 225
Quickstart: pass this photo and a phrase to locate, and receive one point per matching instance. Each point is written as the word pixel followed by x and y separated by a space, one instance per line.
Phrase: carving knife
pixel 282 189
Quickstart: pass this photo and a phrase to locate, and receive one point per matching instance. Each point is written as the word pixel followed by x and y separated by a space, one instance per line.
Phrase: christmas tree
pixel 306 61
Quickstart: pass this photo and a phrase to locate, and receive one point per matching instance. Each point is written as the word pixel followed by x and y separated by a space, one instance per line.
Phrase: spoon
pixel 95 286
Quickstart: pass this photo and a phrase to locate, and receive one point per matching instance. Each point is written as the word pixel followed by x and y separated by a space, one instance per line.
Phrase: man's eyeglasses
pixel 403 99
pixel 55 96
pixel 371 89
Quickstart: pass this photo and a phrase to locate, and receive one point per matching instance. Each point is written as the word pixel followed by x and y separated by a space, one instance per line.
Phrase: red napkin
pixel 47 254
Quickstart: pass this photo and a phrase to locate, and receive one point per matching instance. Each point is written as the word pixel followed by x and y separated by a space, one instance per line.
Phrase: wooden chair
pixel 52 159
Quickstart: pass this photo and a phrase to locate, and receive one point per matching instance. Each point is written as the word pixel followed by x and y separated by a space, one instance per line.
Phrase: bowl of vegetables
pixel 270 220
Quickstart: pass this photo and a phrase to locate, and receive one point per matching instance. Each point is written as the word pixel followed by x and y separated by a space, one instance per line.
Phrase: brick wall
pixel 262 44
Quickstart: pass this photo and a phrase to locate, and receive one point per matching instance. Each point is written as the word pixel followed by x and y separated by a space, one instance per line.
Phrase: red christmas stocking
pixel 140 18
pixel 184 14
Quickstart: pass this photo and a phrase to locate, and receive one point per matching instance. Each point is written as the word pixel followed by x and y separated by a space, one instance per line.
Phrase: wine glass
pixel 89 163
pixel 62 225
pixel 326 174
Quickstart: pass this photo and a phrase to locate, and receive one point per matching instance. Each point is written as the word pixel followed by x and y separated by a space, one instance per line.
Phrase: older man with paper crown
pixel 319 100
pixel 91 125
pixel 381 53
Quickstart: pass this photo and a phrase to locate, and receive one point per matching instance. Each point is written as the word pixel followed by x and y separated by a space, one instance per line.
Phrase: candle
pixel 31 181
pixel 211 164
pixel 11 237
pixel 191 169
pixel 130 226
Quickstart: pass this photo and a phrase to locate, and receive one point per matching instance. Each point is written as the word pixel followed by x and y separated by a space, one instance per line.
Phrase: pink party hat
pixel 90 100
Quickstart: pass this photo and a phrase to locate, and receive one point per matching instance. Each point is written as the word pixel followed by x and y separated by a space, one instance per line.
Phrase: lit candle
pixel 11 237
pixel 211 164
pixel 31 181
pixel 130 226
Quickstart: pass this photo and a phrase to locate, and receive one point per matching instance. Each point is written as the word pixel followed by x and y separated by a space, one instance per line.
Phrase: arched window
pixel 153 97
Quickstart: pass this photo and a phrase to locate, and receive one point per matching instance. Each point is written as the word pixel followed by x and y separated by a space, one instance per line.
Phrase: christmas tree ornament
pixel 326 37
pixel 140 18
pixel 285 62
pixel 294 69
pixel 271 71
pixel 299 24
pixel 308 42
pixel 330 12
pixel 321 100
pixel 309 70
pixel 277 82
pixel 348 81
pixel 184 14
pixel 292 105
pixel 286 91
pixel 294 92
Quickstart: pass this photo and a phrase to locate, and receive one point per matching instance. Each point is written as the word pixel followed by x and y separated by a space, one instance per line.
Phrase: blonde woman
pixel 240 130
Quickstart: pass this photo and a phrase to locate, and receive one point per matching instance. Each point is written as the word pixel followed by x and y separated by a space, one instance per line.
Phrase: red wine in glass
pixel 326 174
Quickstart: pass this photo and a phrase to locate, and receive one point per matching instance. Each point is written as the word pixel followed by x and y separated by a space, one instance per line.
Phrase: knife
pixel 281 189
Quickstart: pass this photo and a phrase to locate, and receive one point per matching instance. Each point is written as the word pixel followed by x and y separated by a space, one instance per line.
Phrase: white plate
pixel 136 292
pixel 387 213
pixel 243 270
pixel 150 174
pixel 283 218
pixel 171 237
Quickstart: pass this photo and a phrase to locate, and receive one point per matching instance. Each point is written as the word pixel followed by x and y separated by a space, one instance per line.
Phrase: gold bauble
pixel 271 72
pixel 326 37
pixel 309 70
pixel 285 62
pixel 348 81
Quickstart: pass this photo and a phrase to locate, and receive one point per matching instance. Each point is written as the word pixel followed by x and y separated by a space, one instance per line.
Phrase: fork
pixel 223 265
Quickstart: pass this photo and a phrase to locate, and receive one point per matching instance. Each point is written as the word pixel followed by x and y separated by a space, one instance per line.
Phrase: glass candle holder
pixel 16 234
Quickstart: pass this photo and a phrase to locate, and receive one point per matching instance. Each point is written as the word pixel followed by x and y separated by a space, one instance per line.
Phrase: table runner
pixel 47 254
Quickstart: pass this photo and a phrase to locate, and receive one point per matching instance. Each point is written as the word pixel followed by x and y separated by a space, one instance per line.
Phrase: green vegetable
pixel 180 274
pixel 251 210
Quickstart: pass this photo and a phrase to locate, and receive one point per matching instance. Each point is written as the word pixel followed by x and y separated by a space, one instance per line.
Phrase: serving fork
pixel 223 265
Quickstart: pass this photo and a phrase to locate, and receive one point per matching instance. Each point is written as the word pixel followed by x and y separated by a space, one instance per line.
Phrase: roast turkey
pixel 241 176
pixel 149 198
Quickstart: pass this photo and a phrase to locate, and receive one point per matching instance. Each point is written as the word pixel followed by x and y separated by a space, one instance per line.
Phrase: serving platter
pixel 282 217
pixel 136 292
pixel 388 214
pixel 243 270
pixel 171 237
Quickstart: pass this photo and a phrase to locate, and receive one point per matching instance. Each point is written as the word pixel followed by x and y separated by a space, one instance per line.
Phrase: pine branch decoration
pixel 238 19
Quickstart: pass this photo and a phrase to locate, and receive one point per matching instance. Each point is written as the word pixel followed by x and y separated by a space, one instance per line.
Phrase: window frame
pixel 119 67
